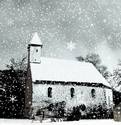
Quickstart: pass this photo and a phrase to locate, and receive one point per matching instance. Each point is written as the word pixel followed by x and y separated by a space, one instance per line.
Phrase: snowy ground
pixel 81 122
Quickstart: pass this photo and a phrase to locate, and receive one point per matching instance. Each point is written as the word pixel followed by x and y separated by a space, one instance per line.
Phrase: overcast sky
pixel 91 25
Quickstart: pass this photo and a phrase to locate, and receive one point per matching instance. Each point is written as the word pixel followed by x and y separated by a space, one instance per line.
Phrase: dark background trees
pixel 13 82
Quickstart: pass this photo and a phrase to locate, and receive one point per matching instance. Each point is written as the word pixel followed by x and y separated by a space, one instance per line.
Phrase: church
pixel 51 80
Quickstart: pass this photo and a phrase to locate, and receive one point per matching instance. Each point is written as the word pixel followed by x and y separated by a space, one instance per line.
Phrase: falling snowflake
pixel 104 20
pixel 71 45
pixel 92 25
pixel 13 99
pixel 10 22
pixel 2 88
pixel 109 37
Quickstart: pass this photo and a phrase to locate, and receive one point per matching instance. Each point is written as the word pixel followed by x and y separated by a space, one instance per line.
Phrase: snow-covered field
pixel 81 122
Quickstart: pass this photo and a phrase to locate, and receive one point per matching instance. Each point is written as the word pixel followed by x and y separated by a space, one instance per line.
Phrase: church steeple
pixel 36 40
pixel 35 49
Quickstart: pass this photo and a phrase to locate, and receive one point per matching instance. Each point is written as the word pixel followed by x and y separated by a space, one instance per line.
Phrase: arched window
pixel 50 92
pixel 93 93
pixel 72 92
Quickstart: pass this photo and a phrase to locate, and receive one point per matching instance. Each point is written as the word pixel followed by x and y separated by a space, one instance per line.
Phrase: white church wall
pixel 62 93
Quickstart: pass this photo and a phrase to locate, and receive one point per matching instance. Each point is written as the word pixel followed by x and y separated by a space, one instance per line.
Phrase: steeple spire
pixel 36 39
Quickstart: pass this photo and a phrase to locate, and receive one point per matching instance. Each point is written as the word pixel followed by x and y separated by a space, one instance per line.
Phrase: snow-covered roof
pixel 36 39
pixel 65 70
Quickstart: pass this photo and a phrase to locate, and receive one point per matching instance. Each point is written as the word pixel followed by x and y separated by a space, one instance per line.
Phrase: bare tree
pixel 116 76
pixel 80 58
pixel 18 64
pixel 94 59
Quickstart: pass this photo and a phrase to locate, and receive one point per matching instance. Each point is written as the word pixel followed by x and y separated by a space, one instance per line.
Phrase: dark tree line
pixel 12 84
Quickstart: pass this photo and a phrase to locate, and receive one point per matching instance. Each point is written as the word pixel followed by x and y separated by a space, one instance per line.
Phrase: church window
pixel 93 93
pixel 72 92
pixel 50 92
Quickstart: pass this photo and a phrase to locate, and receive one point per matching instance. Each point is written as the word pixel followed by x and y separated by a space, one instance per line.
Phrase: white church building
pixel 51 80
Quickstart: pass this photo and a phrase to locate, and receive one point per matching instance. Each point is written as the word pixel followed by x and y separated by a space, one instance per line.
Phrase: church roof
pixel 65 70
pixel 36 39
